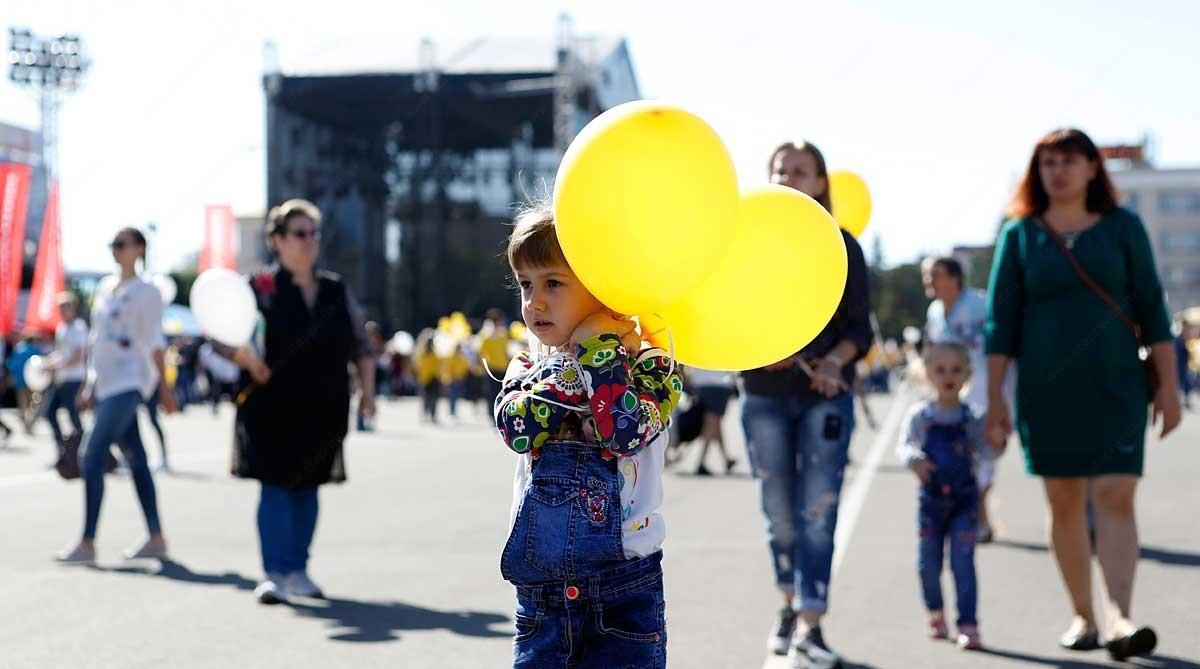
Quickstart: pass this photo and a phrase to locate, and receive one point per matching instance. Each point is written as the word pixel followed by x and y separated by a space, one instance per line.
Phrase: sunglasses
pixel 117 244
pixel 303 234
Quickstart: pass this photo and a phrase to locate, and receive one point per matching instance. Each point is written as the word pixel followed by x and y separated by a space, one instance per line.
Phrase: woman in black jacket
pixel 295 397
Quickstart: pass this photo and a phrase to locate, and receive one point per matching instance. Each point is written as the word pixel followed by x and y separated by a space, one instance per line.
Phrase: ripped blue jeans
pixel 798 449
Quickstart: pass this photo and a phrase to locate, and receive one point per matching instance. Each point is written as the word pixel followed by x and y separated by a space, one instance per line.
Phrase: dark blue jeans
pixel 798 453
pixel 955 517
pixel 609 620
pixel 63 397
pixel 152 410
pixel 116 422
pixel 287 520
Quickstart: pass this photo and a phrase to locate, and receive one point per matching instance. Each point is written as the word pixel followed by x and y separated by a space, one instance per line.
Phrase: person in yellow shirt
pixel 453 372
pixel 493 350
pixel 427 368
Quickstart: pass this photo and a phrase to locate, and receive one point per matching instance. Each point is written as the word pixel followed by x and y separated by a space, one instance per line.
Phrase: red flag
pixel 14 198
pixel 220 238
pixel 48 276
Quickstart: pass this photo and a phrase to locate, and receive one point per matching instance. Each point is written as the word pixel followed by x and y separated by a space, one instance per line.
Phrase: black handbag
pixel 67 464
pixel 690 421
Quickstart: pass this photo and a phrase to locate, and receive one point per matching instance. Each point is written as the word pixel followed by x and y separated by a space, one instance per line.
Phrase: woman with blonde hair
pixel 798 416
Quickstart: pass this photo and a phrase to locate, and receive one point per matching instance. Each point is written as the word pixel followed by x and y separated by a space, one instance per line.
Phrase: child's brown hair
pixel 534 241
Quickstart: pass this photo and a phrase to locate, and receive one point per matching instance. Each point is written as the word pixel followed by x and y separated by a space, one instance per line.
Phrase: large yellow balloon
pixel 644 203
pixel 774 290
pixel 851 201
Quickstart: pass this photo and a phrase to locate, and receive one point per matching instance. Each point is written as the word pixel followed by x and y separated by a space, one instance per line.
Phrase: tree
pixel 898 298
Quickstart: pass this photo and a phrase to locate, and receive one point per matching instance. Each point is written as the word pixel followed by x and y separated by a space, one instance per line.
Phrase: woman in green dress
pixel 1081 388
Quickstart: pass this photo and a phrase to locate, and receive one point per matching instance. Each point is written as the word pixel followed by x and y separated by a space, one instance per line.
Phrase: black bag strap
pixel 1089 281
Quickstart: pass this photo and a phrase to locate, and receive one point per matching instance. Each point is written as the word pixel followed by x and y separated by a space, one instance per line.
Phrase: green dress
pixel 1081 390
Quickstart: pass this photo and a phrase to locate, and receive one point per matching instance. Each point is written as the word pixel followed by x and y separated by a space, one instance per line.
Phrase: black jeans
pixel 63 397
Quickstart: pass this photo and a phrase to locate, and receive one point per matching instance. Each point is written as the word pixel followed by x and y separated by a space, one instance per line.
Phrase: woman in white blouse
pixel 125 365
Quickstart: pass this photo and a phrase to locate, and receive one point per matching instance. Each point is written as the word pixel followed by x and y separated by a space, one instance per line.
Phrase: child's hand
pixel 602 322
pixel 632 343
pixel 924 470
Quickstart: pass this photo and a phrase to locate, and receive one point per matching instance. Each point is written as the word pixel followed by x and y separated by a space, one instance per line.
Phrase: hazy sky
pixel 935 104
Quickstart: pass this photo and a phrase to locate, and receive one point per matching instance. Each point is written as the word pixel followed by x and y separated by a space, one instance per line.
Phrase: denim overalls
pixel 580 602
pixel 949 506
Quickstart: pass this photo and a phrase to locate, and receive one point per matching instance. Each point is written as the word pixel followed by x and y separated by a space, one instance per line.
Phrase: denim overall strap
pixel 946 446
pixel 568 524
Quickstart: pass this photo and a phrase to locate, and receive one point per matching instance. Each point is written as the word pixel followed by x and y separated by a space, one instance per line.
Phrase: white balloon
pixel 444 345
pixel 224 304
pixel 166 287
pixel 911 334
pixel 403 343
pixel 37 377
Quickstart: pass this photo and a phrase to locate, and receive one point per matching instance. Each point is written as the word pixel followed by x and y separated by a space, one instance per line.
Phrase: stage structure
pixel 418 164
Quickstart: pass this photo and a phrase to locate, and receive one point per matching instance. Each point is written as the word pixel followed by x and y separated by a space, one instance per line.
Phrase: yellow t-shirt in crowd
pixel 455 368
pixel 494 350
pixel 426 366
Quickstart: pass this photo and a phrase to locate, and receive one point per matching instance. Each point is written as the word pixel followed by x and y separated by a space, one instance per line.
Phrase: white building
pixel 1168 202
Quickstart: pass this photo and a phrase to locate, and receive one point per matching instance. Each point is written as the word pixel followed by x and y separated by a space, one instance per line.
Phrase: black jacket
pixel 290 431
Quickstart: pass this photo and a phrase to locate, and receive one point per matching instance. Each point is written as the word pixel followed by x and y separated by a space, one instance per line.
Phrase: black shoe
pixel 1086 640
pixel 703 471
pixel 1141 641
pixel 984 534
pixel 781 633
pixel 729 465
pixel 811 652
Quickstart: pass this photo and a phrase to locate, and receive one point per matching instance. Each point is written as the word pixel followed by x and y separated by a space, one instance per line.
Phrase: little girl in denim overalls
pixel 588 418
pixel 943 444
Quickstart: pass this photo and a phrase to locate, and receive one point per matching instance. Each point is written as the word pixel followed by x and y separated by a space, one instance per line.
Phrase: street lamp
pixel 52 66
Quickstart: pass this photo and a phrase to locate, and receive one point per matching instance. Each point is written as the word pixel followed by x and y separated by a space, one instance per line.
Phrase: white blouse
pixel 126 331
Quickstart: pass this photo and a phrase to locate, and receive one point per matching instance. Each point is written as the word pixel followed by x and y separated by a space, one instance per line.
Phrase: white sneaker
pixel 300 585
pixel 271 590
pixel 811 652
pixel 77 555
pixel 151 549
pixel 781 634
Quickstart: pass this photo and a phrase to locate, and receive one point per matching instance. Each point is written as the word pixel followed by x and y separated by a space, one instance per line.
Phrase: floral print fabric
pixel 597 395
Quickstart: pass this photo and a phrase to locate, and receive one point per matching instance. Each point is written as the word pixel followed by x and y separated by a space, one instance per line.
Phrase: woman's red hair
pixel 1031 198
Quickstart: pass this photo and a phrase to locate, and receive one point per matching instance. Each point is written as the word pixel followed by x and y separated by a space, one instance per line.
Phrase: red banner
pixel 220 238
pixel 14 198
pixel 48 278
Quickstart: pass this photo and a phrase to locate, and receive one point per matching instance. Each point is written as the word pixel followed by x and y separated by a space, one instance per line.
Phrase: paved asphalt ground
pixel 408 549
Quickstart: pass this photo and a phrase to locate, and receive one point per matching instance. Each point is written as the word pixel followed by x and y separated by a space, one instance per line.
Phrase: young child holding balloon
pixel 586 411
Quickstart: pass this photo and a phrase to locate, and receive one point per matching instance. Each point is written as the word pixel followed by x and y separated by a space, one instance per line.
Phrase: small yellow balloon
pixel 517 331
pixel 851 201
pixel 776 287
pixel 644 203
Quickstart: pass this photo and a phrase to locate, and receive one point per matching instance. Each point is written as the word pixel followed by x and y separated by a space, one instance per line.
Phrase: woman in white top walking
pixel 69 365
pixel 125 366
